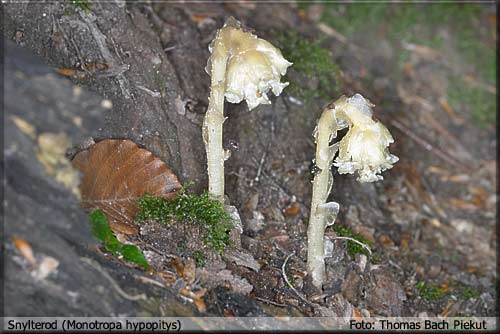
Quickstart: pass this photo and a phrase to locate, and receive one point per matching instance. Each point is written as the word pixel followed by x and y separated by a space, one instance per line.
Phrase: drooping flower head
pixel 364 149
pixel 253 65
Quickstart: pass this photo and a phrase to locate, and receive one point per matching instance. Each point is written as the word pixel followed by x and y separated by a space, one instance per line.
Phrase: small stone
pixel 106 104
pixel 433 266
pixel 387 295
pixel 351 286
pixel 256 223
pixel 156 60
pixel 362 261
pixel 365 313
pixel 242 258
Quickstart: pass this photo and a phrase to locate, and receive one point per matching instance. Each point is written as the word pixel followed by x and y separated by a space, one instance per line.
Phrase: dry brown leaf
pixel 356 315
pixel 25 249
pixel 446 310
pixel 408 69
pixel 480 196
pixel 168 277
pixel 200 304
pixel 385 241
pixel 115 173
pixel 178 266
pixel 405 237
pixel 195 298
pixel 66 71
pixel 291 210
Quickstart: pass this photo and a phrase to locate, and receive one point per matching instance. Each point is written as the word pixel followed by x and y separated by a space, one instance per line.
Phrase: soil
pixel 431 220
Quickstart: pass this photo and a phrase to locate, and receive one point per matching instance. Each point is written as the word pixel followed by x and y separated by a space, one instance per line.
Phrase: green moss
pixel 464 290
pixel 311 63
pixel 469 292
pixel 353 248
pixel 102 231
pixel 480 103
pixel 376 258
pixel 432 292
pixel 81 4
pixel 190 208
pixel 429 292
pixel 199 258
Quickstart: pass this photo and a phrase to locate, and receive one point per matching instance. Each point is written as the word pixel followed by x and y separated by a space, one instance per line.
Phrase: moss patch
pixel 199 258
pixel 102 231
pixel 463 290
pixel 477 102
pixel 429 292
pixel 353 248
pixel 81 4
pixel 432 292
pixel 313 73
pixel 192 209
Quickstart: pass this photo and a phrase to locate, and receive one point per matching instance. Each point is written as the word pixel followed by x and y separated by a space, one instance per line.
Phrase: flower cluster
pixel 364 149
pixel 254 66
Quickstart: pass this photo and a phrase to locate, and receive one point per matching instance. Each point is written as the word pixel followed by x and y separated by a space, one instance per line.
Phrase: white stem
pixel 327 127
pixel 214 119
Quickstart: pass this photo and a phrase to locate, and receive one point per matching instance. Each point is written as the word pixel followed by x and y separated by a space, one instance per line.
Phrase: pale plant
pixel 363 150
pixel 242 67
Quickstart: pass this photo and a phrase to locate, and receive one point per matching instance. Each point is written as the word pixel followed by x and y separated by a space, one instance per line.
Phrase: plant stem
pixel 214 119
pixel 327 128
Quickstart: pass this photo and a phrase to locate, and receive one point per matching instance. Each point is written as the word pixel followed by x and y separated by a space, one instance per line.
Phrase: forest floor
pixel 431 72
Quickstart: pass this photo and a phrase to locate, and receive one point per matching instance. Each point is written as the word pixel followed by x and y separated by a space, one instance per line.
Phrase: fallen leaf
pixel 408 69
pixel 444 287
pixel 480 196
pixel 180 268
pixel 66 71
pixel 168 277
pixel 198 18
pixel 446 310
pixel 195 297
pixel 385 241
pixel 356 315
pixel 115 174
pixel 291 210
pixel 405 237
pixel 200 304
pixel 25 249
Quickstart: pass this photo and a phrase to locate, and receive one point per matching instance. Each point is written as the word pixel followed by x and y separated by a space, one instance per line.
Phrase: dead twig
pixel 283 272
pixel 148 280
pixel 365 246
pixel 270 302
pixel 115 285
